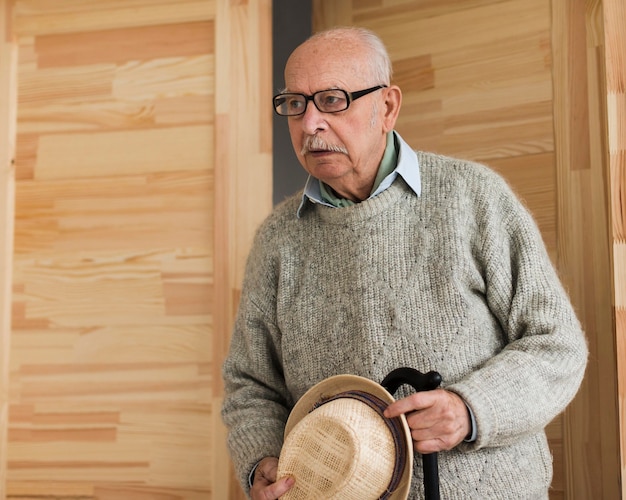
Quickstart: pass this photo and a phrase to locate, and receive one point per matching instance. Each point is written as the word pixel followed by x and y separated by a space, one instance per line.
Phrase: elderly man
pixel 390 258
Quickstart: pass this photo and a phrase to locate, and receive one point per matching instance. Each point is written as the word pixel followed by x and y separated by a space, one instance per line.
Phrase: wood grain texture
pixel 143 158
pixel 114 368
pixel 242 191
pixel 518 85
pixel 615 41
pixel 37 17
pixel 591 426
pixel 8 101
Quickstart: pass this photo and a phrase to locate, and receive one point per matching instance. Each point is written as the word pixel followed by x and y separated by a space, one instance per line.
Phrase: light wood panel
pixel 110 375
pixel 243 187
pixel 591 441
pixel 615 41
pixel 518 84
pixel 8 93
pixel 121 316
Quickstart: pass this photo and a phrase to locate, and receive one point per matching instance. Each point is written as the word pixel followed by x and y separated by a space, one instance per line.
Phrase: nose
pixel 313 120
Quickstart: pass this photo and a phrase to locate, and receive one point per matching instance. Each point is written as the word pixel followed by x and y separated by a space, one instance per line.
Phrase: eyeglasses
pixel 327 101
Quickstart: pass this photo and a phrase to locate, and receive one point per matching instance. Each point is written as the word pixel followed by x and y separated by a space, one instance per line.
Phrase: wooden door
pixel 139 143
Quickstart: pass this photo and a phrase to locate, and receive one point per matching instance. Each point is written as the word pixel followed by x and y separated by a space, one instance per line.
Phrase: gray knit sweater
pixel 455 280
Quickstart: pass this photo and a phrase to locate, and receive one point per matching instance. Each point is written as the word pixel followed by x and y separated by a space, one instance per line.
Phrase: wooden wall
pixel 519 85
pixel 8 99
pixel 591 425
pixel 243 182
pixel 615 57
pixel 140 142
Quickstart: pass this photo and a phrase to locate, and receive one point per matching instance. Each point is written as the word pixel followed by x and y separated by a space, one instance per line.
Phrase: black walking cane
pixel 420 382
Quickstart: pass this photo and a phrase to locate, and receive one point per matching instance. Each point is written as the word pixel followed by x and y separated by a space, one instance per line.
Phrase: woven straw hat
pixel 338 445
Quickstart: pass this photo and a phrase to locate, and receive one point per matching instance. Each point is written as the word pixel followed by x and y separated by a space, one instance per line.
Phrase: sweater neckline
pixel 366 209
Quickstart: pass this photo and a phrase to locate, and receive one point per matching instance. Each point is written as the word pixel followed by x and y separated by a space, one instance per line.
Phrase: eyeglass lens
pixel 327 101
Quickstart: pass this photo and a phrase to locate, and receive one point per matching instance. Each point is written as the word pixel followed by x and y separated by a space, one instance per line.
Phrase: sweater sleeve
pixel 521 389
pixel 256 404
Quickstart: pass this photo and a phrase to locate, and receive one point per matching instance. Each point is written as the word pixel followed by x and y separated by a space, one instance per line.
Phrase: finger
pixel 283 485
pixel 442 435
pixel 425 422
pixel 429 446
pixel 439 442
pixel 414 402
pixel 267 470
pixel 261 490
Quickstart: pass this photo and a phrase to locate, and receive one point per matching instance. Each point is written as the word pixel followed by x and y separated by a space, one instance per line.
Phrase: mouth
pixel 318 152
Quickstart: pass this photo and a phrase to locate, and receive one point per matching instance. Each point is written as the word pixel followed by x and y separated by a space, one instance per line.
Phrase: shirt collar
pixel 407 167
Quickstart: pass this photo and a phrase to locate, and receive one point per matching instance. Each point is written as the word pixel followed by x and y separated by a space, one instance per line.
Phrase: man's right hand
pixel 265 486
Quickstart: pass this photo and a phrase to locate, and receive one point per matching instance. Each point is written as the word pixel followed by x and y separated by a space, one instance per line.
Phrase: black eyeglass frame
pixel 350 97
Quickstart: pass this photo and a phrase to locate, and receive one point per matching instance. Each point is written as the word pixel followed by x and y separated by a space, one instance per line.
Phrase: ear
pixel 392 103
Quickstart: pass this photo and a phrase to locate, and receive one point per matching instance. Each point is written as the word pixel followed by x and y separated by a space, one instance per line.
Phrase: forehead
pixel 326 64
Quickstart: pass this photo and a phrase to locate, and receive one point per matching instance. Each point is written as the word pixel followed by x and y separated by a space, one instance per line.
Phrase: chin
pixel 326 173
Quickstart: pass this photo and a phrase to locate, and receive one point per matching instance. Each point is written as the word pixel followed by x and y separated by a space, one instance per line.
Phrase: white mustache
pixel 315 143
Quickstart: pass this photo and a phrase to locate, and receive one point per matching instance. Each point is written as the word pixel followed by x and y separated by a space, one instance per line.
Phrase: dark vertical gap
pixel 292 23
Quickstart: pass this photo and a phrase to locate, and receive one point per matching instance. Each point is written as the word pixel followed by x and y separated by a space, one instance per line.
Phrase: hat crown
pixel 338 445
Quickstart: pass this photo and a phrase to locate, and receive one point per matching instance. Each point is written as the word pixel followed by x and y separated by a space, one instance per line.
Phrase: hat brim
pixel 337 384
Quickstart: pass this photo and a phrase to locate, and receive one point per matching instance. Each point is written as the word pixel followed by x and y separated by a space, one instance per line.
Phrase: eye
pixel 332 100
pixel 294 103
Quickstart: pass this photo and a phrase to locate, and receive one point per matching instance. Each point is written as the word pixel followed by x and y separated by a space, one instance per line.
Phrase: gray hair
pixel 379 61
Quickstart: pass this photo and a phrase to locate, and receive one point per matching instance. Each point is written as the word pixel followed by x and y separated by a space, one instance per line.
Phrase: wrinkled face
pixel 341 148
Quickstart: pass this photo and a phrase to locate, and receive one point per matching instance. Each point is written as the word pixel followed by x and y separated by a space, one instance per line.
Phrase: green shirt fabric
pixel 387 165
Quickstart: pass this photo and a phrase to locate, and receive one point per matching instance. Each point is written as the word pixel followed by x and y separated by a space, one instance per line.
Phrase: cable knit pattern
pixel 455 280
